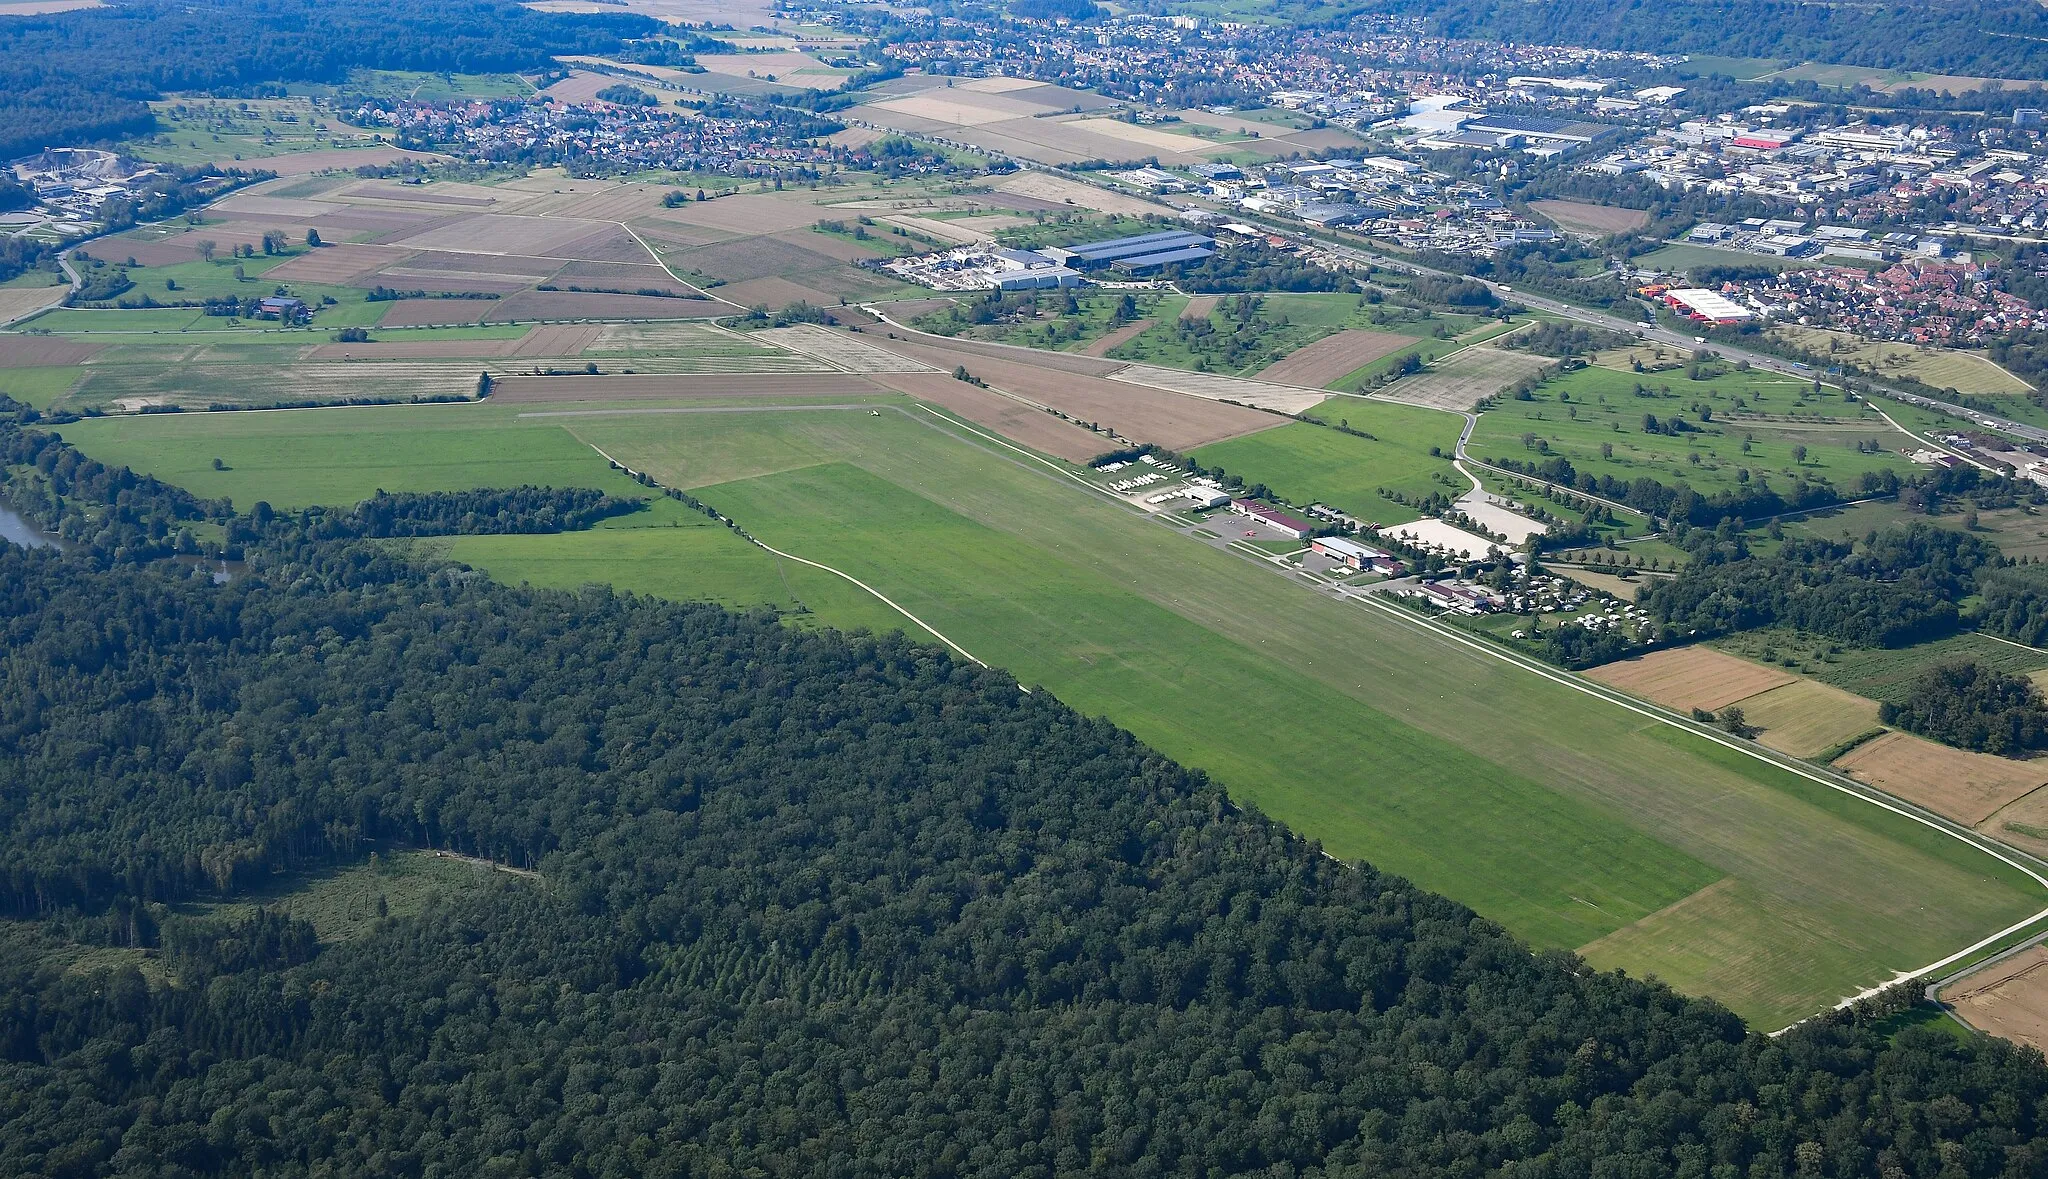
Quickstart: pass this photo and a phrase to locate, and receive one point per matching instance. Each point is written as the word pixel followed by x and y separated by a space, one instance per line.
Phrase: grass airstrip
pixel 1570 821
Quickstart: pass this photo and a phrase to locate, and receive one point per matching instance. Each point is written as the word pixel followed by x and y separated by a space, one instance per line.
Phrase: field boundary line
pixel 879 595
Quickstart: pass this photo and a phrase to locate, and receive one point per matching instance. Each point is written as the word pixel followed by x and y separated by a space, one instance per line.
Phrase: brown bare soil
pixel 2008 998
pixel 482 263
pixel 748 213
pixel 1034 428
pixel 754 258
pixel 625 277
pixel 413 194
pixel 580 87
pixel 557 339
pixel 1685 678
pixel 1135 411
pixel 538 390
pixel 338 264
pixel 168 252
pixel 1200 307
pixel 405 278
pixel 583 305
pixel 40 351
pixel 620 203
pixel 609 244
pixel 371 221
pixel 1333 358
pixel 435 312
pixel 837 249
pixel 498 233
pixel 1967 787
pixel 1590 218
pixel 1108 343
pixel 256 205
pixel 773 292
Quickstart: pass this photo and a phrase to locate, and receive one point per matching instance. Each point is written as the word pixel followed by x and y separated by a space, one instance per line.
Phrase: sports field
pixel 1571 821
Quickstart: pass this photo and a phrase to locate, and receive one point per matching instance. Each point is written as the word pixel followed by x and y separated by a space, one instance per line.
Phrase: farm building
pixel 1272 518
pixel 1350 552
pixel 1145 251
pixel 283 307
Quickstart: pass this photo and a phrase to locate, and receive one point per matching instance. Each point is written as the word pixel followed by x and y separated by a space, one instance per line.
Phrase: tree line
pixel 86 75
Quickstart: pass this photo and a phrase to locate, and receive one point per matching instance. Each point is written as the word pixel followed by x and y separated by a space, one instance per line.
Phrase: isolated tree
pixel 313 238
pixel 206 248
pixel 1799 454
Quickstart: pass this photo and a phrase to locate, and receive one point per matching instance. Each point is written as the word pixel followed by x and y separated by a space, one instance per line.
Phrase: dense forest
pixel 1896 586
pixel 1971 706
pixel 73 77
pixel 809 903
pixel 1991 38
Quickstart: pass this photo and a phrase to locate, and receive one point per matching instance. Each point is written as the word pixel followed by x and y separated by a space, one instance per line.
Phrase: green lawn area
pixel 1684 256
pixel 39 386
pixel 1307 463
pixel 1579 413
pixel 1742 69
pixel 1565 818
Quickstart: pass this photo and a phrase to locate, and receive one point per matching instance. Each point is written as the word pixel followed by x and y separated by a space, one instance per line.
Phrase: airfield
pixel 872 487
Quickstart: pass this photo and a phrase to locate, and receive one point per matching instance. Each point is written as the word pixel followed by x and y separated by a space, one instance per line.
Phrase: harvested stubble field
pixel 742 213
pixel 1685 678
pixel 2008 998
pixel 528 305
pixel 21 302
pixel 1173 420
pixel 840 350
pixel 1460 381
pixel 1286 399
pixel 1807 718
pixel 1582 217
pixel 498 264
pixel 1333 357
pixel 1967 787
pixel 1062 191
pixel 498 233
pixel 434 312
pixel 1014 420
pixel 519 390
pixel 340 264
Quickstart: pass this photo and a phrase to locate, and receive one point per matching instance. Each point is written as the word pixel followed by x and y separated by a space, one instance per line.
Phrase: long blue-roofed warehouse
pixel 1146 251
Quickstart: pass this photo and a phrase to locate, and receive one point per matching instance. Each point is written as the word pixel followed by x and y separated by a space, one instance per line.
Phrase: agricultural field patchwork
pixel 1560 815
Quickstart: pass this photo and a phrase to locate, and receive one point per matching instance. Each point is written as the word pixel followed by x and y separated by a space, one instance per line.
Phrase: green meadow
pixel 1734 426
pixel 1307 463
pixel 1571 821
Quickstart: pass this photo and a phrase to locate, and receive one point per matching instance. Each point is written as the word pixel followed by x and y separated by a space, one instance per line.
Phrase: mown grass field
pixel 1758 420
pixel 1943 368
pixel 1571 821
pixel 1306 463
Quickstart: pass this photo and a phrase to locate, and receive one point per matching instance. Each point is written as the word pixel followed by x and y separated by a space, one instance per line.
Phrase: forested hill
pixel 72 77
pixel 1988 38
pixel 810 904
